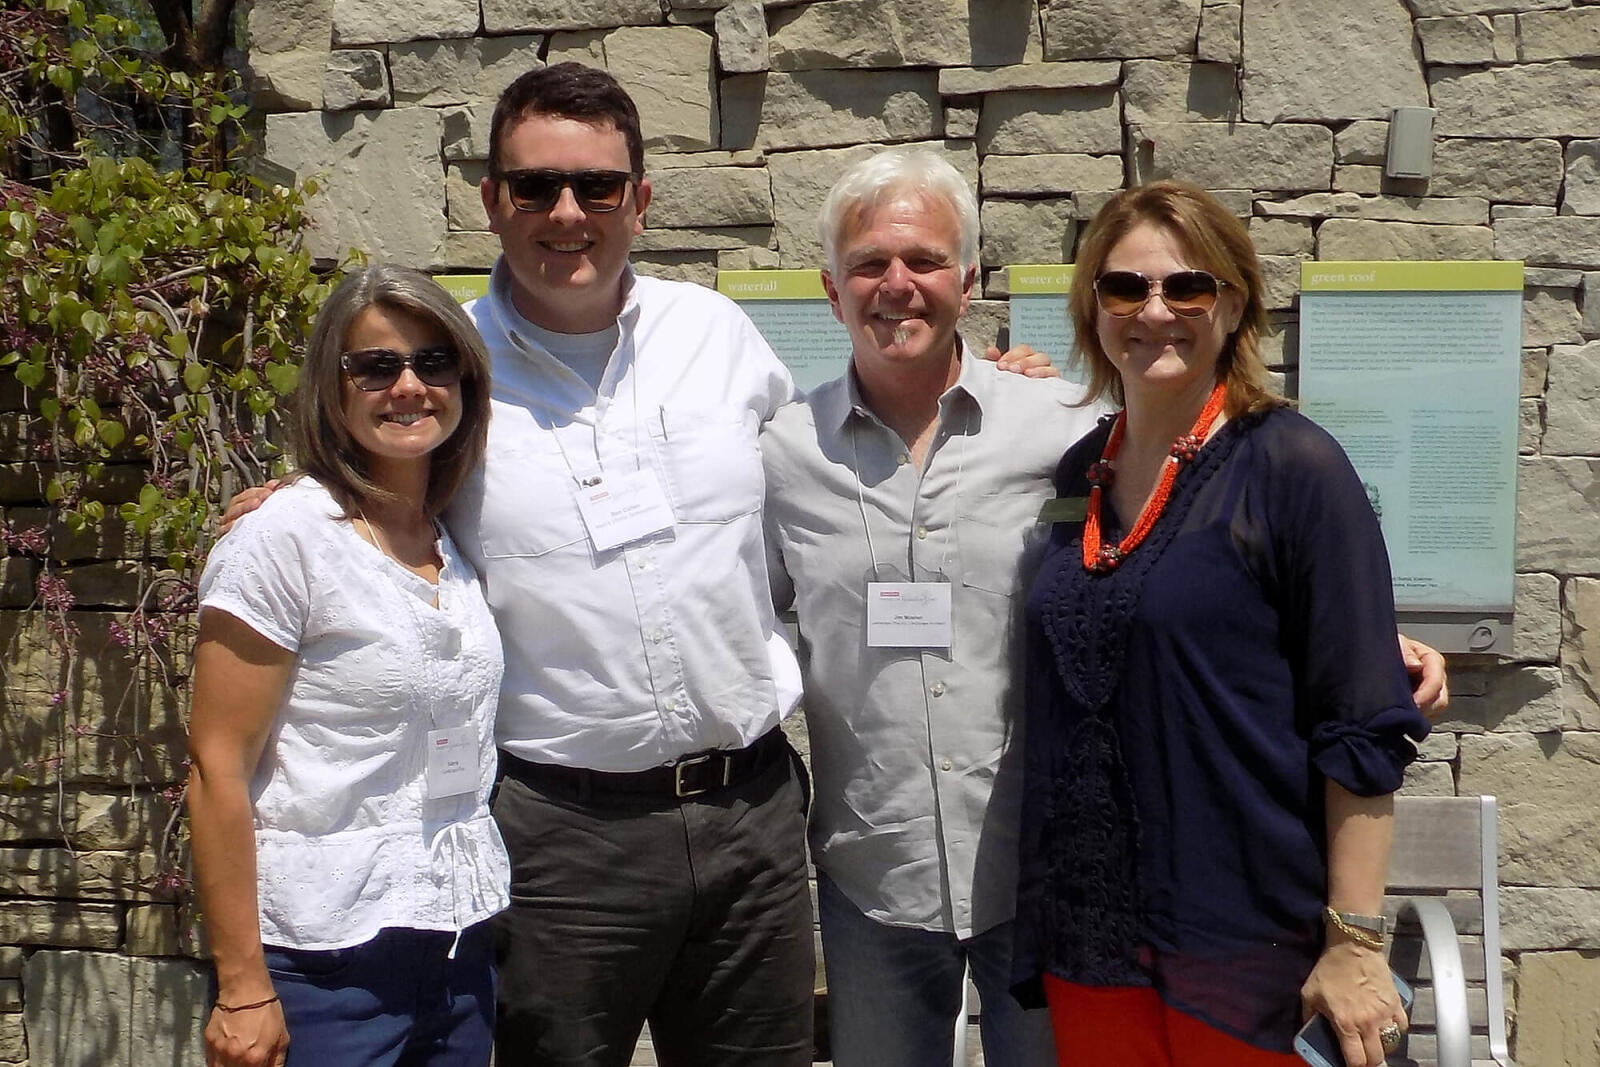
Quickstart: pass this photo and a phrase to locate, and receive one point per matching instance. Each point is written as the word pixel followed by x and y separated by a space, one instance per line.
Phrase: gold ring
pixel 1389 1038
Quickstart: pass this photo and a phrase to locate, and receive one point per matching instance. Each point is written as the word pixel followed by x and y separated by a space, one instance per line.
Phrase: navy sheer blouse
pixel 1183 712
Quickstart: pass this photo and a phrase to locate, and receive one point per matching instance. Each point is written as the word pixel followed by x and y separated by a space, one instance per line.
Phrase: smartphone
pixel 1316 1043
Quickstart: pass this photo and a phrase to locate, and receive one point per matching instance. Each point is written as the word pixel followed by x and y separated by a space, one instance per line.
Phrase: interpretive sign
pixel 792 312
pixel 1039 312
pixel 1414 368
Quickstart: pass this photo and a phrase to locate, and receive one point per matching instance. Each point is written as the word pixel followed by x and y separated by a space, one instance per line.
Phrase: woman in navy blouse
pixel 1217 711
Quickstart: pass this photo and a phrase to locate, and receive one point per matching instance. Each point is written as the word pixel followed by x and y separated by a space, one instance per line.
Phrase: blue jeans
pixel 894 992
pixel 394 1001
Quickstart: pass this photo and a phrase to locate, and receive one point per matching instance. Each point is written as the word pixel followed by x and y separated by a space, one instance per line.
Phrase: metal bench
pixel 1444 891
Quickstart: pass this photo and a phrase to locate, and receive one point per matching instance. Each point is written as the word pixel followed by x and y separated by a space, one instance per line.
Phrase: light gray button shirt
pixel 916 752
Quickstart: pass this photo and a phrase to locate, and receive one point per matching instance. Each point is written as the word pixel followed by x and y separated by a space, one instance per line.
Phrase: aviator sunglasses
pixel 1124 293
pixel 374 369
pixel 598 191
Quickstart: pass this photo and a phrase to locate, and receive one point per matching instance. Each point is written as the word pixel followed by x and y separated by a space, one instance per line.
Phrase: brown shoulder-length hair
pixel 320 437
pixel 1217 242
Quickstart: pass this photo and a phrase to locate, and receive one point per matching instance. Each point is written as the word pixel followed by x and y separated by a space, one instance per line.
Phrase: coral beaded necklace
pixel 1100 559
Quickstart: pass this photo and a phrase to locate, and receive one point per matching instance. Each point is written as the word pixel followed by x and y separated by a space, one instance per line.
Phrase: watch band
pixel 1363 928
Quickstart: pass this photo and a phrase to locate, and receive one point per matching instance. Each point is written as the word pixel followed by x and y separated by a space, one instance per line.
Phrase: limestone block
pixel 18 576
pixel 961 122
pixel 895 33
pixel 287 52
pixel 1459 39
pixel 162 930
pixel 367 22
pixel 13 1039
pixel 88 821
pixel 1364 239
pixel 1530 425
pixel 1088 74
pixel 1049 173
pixel 1580 651
pixel 1437 8
pixel 113 1011
pixel 60 872
pixel 1365 141
pixel 529 16
pixel 1351 60
pixel 1553 278
pixel 355 77
pixel 1120 29
pixel 1050 120
pixel 287 81
pixel 1027 231
pixel 1358 179
pixel 114 584
pixel 1550 317
pixel 1527 100
pixel 1219 40
pixel 1537 636
pixel 1535 369
pixel 1220 155
pixel 747 259
pixel 1520 211
pixel 668 72
pixel 381 187
pixel 1559 34
pixel 436 73
pixel 1521 698
pixel 657 161
pixel 10 995
pixel 1088 205
pixel 711 196
pixel 577 46
pixel 1581 195
pixel 285 25
pixel 1156 90
pixel 466 250
pixel 1524 172
pixel 463 201
pixel 1460 211
pixel 986 321
pixel 1280 280
pixel 1558 1002
pixel 1282 237
pixel 697 267
pixel 67 924
pixel 742 44
pixel 11 958
pixel 1565 240
pixel 1556 501
pixel 703 238
pixel 1505 38
pixel 1429 780
pixel 815 108
pixel 1440 745
pixel 1546 787
pixel 1590 304
pixel 465 133
pixel 800 181
pixel 1280 344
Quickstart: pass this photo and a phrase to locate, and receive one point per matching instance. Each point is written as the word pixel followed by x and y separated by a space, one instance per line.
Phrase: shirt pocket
pixel 993 532
pixel 711 465
pixel 530 505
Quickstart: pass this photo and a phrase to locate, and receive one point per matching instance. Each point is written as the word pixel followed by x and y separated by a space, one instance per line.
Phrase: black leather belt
pixel 689 776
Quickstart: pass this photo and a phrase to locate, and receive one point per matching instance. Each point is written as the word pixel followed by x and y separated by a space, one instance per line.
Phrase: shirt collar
pixel 842 398
pixel 506 315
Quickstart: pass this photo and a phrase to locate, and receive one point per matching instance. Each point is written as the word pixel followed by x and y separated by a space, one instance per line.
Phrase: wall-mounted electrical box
pixel 1410 153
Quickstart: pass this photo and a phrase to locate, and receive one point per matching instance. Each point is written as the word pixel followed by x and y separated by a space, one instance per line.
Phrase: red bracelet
pixel 247 1007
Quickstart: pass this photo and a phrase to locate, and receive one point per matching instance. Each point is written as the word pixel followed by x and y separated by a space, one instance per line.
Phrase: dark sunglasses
pixel 538 190
pixel 1124 293
pixel 373 369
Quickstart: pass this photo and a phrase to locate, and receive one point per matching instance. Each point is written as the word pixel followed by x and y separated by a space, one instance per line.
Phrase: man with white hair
pixel 899 497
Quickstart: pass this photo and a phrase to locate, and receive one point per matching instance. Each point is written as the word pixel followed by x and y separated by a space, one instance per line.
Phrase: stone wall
pixel 751 110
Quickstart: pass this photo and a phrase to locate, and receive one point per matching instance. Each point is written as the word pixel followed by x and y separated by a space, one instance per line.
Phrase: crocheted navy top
pixel 1182 713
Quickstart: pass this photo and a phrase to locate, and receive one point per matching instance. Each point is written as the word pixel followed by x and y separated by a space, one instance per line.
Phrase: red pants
pixel 1128 1026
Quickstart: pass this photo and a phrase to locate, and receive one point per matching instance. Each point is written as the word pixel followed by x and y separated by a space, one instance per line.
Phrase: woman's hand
pixel 255 1037
pixel 1351 986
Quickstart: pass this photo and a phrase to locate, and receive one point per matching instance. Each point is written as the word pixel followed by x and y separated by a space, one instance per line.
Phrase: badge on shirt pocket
pixel 1064 509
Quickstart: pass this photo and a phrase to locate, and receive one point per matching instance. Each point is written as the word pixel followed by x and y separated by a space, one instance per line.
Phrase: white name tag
pixel 621 508
pixel 908 615
pixel 452 762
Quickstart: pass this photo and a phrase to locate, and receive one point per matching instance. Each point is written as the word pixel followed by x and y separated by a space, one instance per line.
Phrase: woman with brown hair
pixel 342 732
pixel 1217 712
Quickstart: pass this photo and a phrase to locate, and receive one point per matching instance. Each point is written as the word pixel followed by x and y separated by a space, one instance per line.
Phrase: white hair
pixel 888 175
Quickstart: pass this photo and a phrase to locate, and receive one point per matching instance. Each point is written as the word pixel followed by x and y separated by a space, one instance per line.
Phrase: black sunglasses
pixel 598 191
pixel 373 369
pixel 1124 293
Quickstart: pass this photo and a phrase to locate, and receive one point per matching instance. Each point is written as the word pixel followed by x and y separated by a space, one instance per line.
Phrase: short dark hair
pixel 320 437
pixel 568 91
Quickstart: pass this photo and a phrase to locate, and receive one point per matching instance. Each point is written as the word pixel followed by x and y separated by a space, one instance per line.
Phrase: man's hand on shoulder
pixel 1430 684
pixel 244 502
pixel 1023 360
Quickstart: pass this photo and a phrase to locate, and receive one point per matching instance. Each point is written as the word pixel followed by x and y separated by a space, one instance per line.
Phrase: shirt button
pixel 644 564
pixel 922 533
pixel 945 765
pixel 655 638
pixel 902 459
pixel 937 689
pixel 670 704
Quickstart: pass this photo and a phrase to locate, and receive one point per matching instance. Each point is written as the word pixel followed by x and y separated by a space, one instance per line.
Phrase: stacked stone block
pixel 753 107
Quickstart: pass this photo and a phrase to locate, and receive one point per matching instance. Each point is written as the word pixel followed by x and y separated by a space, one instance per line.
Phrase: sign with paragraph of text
pixel 791 310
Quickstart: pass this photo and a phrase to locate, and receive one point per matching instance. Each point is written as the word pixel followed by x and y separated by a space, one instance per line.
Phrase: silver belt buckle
pixel 677 774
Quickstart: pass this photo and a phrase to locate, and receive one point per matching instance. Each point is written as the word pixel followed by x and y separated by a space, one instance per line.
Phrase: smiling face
pixel 396 428
pixel 900 288
pixel 566 263
pixel 1156 351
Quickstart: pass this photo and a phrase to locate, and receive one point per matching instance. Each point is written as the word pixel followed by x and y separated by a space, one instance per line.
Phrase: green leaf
pixel 149 498
pixel 31 374
pixel 49 408
pixel 283 377
pixel 111 432
pixel 54 491
pixel 90 408
pixel 84 434
pixel 195 376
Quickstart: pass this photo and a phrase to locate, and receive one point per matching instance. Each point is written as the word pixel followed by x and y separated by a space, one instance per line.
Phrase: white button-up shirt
pixel 916 753
pixel 628 658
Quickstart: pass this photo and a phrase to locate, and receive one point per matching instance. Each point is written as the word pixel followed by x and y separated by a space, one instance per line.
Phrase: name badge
pixel 618 509
pixel 1064 509
pixel 908 615
pixel 452 762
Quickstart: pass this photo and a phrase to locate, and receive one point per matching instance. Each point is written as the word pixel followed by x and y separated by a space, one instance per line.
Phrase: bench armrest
pixel 1452 1025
